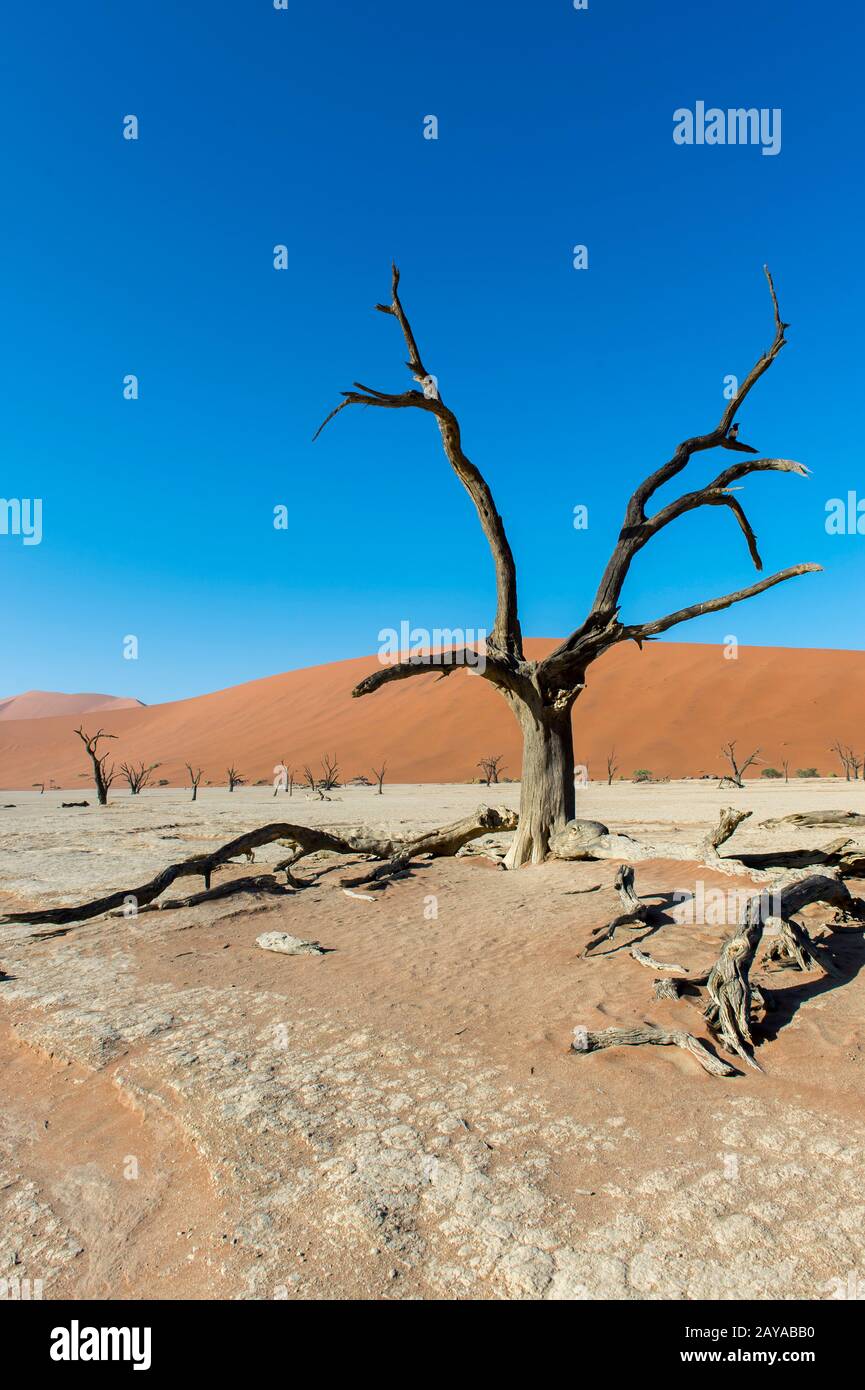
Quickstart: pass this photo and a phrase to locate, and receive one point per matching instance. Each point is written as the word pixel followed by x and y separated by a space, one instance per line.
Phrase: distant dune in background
pixel 668 708
pixel 44 704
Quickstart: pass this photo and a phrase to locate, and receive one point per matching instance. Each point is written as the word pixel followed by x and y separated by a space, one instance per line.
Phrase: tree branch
pixel 442 842
pixel 719 436
pixel 497 672
pixel 505 638
pixel 640 631
pixel 599 629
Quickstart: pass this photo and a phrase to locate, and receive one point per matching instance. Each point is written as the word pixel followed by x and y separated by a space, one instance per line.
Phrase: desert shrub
pixel 163 782
pixel 643 774
pixel 771 772
pixel 807 772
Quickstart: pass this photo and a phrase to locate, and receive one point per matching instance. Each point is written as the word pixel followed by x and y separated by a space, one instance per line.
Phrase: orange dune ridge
pixel 42 704
pixel 668 708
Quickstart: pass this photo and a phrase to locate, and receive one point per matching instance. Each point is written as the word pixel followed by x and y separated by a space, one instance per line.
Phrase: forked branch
pixel 602 627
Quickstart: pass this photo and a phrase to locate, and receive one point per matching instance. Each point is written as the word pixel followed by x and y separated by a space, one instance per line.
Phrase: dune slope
pixel 668 708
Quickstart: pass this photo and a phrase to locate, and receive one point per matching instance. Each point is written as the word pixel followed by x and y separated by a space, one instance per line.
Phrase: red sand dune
pixel 668 707
pixel 43 704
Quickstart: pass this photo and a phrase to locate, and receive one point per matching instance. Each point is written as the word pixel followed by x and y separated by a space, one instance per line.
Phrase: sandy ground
pixel 186 1115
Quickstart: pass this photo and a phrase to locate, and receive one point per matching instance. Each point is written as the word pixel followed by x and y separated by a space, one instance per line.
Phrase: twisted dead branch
pixel 729 986
pixel 443 842
pixel 656 1037
pixel 731 994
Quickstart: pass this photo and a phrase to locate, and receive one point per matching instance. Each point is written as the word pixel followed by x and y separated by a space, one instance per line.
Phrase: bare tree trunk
pixel 547 799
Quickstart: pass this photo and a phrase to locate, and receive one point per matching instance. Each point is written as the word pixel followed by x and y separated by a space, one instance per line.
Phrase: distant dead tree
pixel 612 766
pixel 786 768
pixel 40 785
pixel 736 773
pixel 541 694
pixel 330 773
pixel 103 776
pixel 849 760
pixel 234 778
pixel 491 766
pixel 137 775
pixel 378 774
pixel 194 778
pixel 311 781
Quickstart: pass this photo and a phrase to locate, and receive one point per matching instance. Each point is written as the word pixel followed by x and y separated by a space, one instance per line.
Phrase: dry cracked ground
pixel 185 1115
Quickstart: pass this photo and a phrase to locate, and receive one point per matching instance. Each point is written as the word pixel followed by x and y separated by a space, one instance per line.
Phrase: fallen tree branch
pixel 642 959
pixel 809 818
pixel 730 991
pixel 444 841
pixel 656 1037
pixel 588 840
pixel 257 883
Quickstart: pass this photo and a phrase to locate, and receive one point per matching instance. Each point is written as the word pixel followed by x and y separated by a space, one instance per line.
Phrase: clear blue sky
pixel 305 127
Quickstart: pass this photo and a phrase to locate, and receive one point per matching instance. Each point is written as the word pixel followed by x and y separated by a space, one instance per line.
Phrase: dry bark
pixel 541 694
pixel 657 1037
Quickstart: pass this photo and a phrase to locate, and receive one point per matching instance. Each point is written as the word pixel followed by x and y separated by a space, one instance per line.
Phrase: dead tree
pixel 234 778
pixel 736 773
pixel 103 776
pixel 194 778
pixel 612 766
pixel 541 694
pixel 378 774
pixel 849 760
pixel 491 767
pixel 330 773
pixel 137 775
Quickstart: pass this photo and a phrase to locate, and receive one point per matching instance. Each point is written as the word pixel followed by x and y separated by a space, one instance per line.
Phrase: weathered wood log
pixel 728 822
pixel 728 983
pixel 817 818
pixel 642 959
pixel 585 1041
pixel 442 842
pixel 257 883
pixel 577 841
